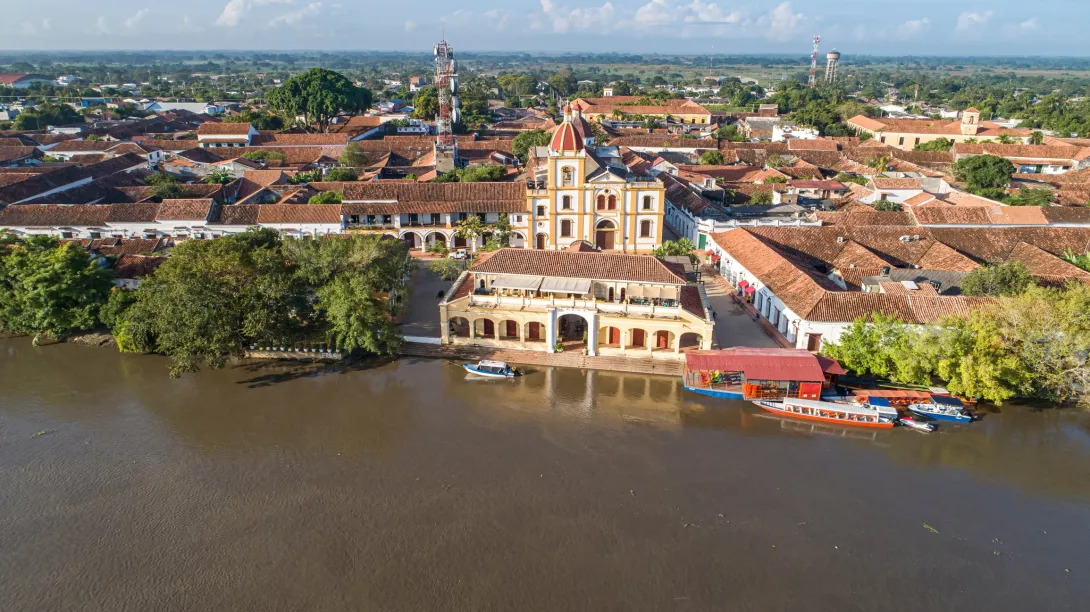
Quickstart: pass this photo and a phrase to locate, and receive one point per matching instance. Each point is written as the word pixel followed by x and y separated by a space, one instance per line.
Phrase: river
pixel 406 486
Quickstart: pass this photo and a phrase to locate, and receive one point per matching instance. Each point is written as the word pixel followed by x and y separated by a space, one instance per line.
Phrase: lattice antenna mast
pixel 813 62
pixel 446 85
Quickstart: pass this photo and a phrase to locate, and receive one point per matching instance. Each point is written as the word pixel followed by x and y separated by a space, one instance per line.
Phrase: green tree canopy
pixel 711 158
pixel 48 287
pixel 326 197
pixel 1003 280
pixel 319 95
pixel 220 176
pixel 522 143
pixel 341 174
pixel 353 155
pixel 426 104
pixel 939 144
pixel 984 175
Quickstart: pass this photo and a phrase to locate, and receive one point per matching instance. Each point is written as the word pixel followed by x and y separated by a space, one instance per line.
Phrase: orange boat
pixel 854 415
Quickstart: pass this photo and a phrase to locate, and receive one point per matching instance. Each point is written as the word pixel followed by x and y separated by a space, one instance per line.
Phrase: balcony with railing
pixel 648 308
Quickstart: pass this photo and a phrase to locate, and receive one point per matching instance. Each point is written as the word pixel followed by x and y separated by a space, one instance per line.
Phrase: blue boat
pixel 491 369
pixel 943 408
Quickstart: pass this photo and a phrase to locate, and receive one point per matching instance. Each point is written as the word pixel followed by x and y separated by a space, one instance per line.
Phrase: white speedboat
pixel 912 423
pixel 491 369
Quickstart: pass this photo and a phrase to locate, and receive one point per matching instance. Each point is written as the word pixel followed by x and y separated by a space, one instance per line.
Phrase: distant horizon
pixel 554 53
pixel 926 28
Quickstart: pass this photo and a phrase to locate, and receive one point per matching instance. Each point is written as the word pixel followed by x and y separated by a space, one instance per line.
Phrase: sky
pixel 874 27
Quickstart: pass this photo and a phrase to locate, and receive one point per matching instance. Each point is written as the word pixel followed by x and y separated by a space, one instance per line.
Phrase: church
pixel 580 191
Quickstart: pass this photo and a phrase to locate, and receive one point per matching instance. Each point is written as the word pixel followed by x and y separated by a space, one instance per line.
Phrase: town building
pixel 616 107
pixel 210 134
pixel 907 133
pixel 1056 158
pixel 577 300
pixel 23 81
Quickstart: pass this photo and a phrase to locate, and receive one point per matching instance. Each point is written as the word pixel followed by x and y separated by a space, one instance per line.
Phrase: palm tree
pixel 1037 137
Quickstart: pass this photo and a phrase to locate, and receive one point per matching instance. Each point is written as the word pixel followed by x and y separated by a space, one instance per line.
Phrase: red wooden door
pixel 512 329
pixel 489 328
pixel 614 335
pixel 662 340
pixel 638 338
pixel 535 331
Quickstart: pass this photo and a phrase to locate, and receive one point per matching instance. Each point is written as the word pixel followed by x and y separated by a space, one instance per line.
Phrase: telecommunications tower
pixel 813 62
pixel 446 85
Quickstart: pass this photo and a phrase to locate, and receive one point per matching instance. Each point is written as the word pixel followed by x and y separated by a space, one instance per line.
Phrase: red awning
pixel 716 258
pixel 743 284
pixel 759 364
pixel 750 289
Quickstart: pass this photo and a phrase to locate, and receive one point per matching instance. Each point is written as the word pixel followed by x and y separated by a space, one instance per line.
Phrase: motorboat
pixel 856 415
pixel 942 408
pixel 912 423
pixel 491 369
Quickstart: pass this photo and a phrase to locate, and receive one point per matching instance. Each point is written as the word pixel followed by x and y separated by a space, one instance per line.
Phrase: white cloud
pixel 134 21
pixel 101 28
pixel 499 18
pixel 294 17
pixel 1029 24
pixel 782 22
pixel 36 29
pixel 562 19
pixel 912 27
pixel 235 10
pixel 232 13
pixel 657 13
pixel 709 12
pixel 971 21
pixel 410 25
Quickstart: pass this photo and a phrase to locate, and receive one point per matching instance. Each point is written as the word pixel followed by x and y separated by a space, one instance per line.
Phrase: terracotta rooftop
pixel 136 266
pixel 185 210
pixel 569 264
pixel 896 183
pixel 210 128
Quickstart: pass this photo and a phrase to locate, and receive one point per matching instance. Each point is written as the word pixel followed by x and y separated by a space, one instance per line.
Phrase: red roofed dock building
pixel 759 373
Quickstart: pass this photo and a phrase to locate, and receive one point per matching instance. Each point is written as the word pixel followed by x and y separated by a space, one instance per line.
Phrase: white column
pixel 550 331
pixel 592 336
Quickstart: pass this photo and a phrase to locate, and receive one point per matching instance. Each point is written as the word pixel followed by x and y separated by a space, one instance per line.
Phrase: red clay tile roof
pixel 569 264
pixel 137 266
pixel 896 183
pixel 799 144
pixel 54 215
pixel 144 212
pixel 185 210
pixel 1045 265
pixel 210 128
pixel 267 139
pixel 942 257
pixel 691 302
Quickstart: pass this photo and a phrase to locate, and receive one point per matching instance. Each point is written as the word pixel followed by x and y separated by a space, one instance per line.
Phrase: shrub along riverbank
pixel 211 299
pixel 1033 344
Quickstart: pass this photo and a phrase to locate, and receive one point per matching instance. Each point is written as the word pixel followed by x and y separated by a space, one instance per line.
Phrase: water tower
pixel 832 65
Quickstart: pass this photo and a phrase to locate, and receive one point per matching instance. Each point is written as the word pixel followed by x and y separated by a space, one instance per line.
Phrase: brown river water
pixel 408 487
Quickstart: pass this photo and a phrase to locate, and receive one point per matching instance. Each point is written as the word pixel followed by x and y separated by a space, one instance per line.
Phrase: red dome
pixel 566 139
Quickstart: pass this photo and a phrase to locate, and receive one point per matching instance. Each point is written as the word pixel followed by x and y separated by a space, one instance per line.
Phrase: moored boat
pixel 855 415
pixel 491 369
pixel 912 423
pixel 943 408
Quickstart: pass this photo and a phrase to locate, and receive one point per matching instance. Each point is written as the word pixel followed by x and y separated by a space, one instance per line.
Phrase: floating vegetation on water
pixel 930 528
pixel 43 432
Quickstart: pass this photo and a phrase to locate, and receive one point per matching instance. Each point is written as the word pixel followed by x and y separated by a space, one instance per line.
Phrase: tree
pixel 47 114
pixel 48 287
pixel 1003 280
pixel 1005 139
pixel 866 346
pixel 939 144
pixel 563 83
pixel 761 198
pixel 677 248
pixel 445 269
pixel 730 133
pixel 471 228
pixel 341 174
pixel 881 164
pixel 319 95
pixel 265 155
pixel 1031 196
pixel 1036 137
pixel 984 175
pixel 1078 260
pixel 774 180
pixel 501 234
pixel 220 176
pixel 522 143
pixel 257 118
pixel 357 280
pixel 326 197
pixel 777 161
pixel 353 155
pixel 852 178
pixel 711 158
pixel 887 206
pixel 426 104
pixel 976 361
pixel 212 298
